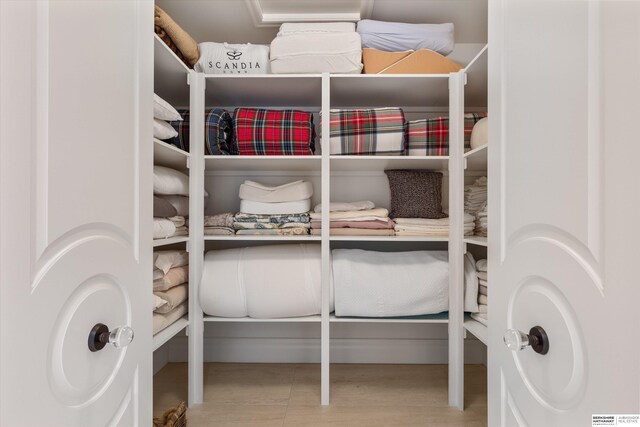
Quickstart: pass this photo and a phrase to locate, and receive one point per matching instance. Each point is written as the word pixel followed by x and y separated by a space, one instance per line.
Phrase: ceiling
pixel 241 21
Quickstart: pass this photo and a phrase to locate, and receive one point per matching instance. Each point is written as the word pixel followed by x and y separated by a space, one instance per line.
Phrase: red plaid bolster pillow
pixel 430 137
pixel 273 132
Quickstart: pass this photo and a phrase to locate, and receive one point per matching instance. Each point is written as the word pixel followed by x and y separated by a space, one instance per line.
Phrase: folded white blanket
pixel 295 28
pixel 163 228
pixel 346 206
pixel 481 265
pixel 290 192
pixel 369 214
pixel 317 53
pixel 262 281
pixel 468 218
pixel 284 208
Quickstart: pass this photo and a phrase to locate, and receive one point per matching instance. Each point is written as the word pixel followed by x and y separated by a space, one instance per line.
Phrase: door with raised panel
pixel 76 80
pixel 564 204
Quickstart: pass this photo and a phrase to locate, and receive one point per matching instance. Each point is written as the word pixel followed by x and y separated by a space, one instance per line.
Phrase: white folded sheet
pixel 346 206
pixel 468 218
pixel 290 192
pixel 363 215
pixel 284 208
pixel 262 282
pixel 295 28
pixel 388 284
pixel 163 228
pixel 317 53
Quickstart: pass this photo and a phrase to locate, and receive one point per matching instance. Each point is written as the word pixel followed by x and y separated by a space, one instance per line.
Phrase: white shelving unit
pixel 171 331
pixel 170 241
pixel 453 93
pixel 479 330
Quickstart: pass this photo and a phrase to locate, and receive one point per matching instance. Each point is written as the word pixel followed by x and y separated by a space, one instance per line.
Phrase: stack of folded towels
pixel 219 224
pixel 475 195
pixel 170 202
pixel 170 287
pixel 274 210
pixel 353 219
pixel 430 227
pixel 481 221
pixel 481 272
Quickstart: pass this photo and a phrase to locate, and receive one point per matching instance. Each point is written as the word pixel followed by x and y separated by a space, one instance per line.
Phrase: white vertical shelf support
pixel 456 236
pixel 196 231
pixel 325 244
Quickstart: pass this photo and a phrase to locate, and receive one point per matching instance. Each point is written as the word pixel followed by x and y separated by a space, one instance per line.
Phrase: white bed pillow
pixel 166 260
pixel 163 110
pixel 167 181
pixel 163 130
pixel 158 302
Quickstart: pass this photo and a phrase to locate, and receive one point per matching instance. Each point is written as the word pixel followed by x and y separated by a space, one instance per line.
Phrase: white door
pixel 76 80
pixel 564 205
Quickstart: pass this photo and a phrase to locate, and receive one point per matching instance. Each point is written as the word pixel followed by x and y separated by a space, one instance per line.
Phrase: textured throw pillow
pixel 162 110
pixel 415 194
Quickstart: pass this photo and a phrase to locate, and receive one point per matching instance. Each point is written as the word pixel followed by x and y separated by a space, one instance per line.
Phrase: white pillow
pixel 166 260
pixel 169 181
pixel 157 302
pixel 163 130
pixel 163 110
pixel 479 133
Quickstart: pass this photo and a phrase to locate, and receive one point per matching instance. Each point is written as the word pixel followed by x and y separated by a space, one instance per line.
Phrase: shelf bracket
pixel 465 163
pixel 187 246
pixel 464 247
pixel 188 162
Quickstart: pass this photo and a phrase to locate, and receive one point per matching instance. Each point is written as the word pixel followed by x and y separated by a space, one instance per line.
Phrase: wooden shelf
pixel 478 330
pixel 476 240
pixel 304 319
pixel 428 318
pixel 170 75
pixel 169 332
pixel 245 238
pixel 477 159
pixel 169 155
pixel 262 163
pixel 170 241
pixel 388 239
pixel 381 163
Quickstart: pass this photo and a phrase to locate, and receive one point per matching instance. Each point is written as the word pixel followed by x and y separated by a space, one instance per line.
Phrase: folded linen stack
pixel 353 219
pixel 481 272
pixel 481 221
pixel 274 210
pixel 163 113
pixel 430 227
pixel 475 196
pixel 219 224
pixel 331 47
pixel 170 202
pixel 170 287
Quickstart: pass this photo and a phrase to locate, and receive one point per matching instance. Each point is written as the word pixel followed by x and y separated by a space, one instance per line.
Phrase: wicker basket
pixel 173 417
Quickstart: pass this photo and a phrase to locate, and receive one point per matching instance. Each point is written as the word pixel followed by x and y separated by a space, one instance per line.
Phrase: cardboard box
pixel 408 62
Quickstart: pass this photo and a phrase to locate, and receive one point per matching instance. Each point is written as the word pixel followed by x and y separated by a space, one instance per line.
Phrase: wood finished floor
pixel 289 395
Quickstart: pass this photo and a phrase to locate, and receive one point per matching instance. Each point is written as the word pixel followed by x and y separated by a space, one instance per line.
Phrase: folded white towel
pixel 482 275
pixel 346 206
pixel 284 208
pixel 370 214
pixel 483 282
pixel 290 192
pixel 163 228
pixel 468 218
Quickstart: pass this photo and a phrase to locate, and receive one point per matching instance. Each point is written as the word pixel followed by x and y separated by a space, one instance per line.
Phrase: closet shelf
pixel 477 159
pixel 427 318
pixel 381 163
pixel 170 75
pixel 169 155
pixel 165 335
pixel 305 319
pixel 476 240
pixel 389 239
pixel 478 330
pixel 255 164
pixel 170 241
pixel 241 238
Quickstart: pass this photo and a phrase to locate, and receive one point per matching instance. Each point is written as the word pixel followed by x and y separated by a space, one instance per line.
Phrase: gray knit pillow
pixel 415 194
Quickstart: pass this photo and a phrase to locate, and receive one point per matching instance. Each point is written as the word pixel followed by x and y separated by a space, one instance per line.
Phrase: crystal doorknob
pixel 537 339
pixel 101 336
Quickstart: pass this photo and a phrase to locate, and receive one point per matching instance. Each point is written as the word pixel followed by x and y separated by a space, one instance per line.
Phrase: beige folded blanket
pixel 369 214
pixel 179 40
pixel 172 297
pixel 355 232
pixel 174 277
pixel 162 321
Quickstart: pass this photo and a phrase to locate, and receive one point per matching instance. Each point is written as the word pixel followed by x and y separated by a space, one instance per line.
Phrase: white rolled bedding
pixel 278 281
pixel 263 282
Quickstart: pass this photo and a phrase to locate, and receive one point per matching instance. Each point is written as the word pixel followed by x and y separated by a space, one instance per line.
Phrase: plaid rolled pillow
pixel 430 137
pixel 367 132
pixel 258 131
pixel 218 132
